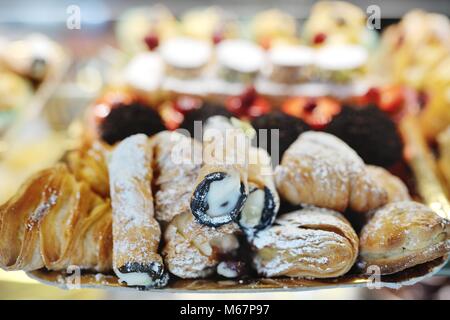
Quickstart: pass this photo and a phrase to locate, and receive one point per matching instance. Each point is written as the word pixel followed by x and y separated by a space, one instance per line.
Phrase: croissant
pixel 396 190
pixel 401 235
pixel 321 170
pixel 177 162
pixel 309 243
pixel 193 250
pixel 55 221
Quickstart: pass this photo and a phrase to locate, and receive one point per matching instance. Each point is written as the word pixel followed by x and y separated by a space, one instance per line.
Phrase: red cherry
pixel 248 104
pixel 373 95
pixel 248 96
pixel 391 98
pixel 319 38
pixel 259 107
pixel 184 104
pixel 152 41
pixel 315 112
pixel 217 37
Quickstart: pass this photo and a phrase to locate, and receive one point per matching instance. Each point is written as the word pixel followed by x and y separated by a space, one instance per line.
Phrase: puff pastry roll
pixel 403 234
pixel 55 222
pixel 89 164
pixel 309 243
pixel 396 190
pixel 177 163
pixel 136 232
pixel 263 203
pixel 193 250
pixel 321 170
pixel 222 187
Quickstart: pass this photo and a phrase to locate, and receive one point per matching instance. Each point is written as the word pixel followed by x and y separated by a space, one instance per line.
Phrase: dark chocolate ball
pixel 126 120
pixel 202 114
pixel 289 129
pixel 370 132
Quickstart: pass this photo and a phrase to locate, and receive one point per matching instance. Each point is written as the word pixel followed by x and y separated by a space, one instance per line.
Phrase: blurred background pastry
pixel 410 49
pixel 341 63
pixel 273 26
pixel 289 64
pixel 209 24
pixel 141 29
pixel 32 57
pixel 337 22
pixel 238 61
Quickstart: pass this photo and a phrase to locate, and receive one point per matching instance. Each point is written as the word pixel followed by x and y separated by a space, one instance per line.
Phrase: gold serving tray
pixel 395 281
pixel 429 188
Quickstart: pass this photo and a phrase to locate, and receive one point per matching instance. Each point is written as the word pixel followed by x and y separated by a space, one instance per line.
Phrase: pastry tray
pixel 422 164
pixel 394 281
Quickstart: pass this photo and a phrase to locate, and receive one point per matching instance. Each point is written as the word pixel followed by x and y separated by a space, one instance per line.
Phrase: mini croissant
pixel 321 170
pixel 309 243
pixel 55 221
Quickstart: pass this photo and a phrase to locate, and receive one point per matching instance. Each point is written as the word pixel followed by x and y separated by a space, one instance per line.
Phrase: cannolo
pixel 222 187
pixel 262 203
pixel 136 232
pixel 193 250
pixel 177 163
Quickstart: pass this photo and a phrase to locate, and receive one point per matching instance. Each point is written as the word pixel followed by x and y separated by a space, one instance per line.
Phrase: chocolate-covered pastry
pixel 289 129
pixel 370 132
pixel 202 114
pixel 124 120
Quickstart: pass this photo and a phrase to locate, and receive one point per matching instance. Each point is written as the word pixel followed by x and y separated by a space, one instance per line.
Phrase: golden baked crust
pixel 89 164
pixel 193 250
pixel 395 188
pixel 55 221
pixel 321 170
pixel 309 243
pixel 403 234
pixel 136 233
pixel 177 161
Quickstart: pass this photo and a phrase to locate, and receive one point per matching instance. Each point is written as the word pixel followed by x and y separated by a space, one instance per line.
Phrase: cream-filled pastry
pixel 136 232
pixel 193 250
pixel 263 203
pixel 177 161
pixel 222 186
